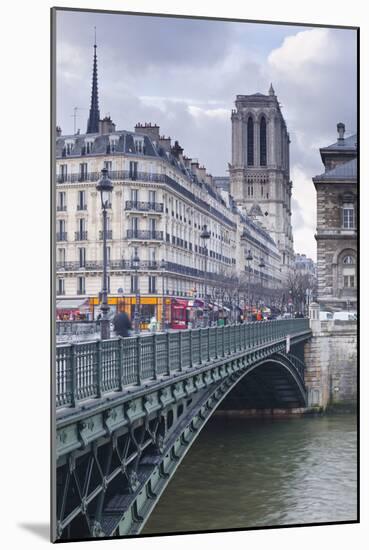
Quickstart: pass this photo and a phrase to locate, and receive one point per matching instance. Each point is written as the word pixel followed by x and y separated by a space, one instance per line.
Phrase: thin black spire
pixel 93 119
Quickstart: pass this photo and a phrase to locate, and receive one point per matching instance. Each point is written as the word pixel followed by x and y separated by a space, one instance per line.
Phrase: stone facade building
pixel 160 203
pixel 336 233
pixel 260 169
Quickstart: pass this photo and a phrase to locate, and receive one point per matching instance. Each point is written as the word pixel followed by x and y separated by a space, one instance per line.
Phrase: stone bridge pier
pixel 330 358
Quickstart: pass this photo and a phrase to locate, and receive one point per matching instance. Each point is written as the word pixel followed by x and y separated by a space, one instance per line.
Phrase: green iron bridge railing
pixel 87 370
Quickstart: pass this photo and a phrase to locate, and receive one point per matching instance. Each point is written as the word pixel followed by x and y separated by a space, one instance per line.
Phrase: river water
pixel 263 472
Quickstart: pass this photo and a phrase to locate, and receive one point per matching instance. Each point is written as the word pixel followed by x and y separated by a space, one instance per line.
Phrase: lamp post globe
pixel 104 187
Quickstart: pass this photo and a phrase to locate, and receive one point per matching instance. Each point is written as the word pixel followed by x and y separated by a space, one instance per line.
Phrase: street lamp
pixel 249 259
pixel 204 236
pixel 104 187
pixel 136 265
pixel 261 266
pixel 163 267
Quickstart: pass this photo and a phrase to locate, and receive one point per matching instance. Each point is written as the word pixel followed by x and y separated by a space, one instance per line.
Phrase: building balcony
pixel 144 235
pixel 80 236
pixel 61 236
pixel 60 292
pixel 109 234
pixel 140 206
pixel 147 265
pixel 113 175
pixel 61 208
pixel 81 206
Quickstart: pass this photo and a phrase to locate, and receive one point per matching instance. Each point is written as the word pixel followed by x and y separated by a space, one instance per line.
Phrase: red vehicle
pixel 186 313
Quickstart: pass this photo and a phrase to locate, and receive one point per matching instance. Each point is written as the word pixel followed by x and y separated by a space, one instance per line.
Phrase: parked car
pixel 345 316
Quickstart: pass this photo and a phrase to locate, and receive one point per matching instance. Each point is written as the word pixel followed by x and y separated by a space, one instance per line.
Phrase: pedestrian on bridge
pixel 122 324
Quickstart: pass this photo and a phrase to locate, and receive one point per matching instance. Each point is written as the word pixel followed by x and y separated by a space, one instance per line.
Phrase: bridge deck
pixel 88 373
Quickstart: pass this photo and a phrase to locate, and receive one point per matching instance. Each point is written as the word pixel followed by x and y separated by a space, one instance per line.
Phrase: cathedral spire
pixel 271 90
pixel 93 119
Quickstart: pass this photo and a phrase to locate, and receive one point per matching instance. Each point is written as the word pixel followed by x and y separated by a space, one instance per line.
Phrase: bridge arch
pixel 116 459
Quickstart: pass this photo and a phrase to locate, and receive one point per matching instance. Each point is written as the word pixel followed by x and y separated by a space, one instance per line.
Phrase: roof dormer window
pixel 113 142
pixel 69 146
pixel 139 144
pixel 88 146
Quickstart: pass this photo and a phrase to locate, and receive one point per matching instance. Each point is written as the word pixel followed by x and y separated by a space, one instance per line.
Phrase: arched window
pixel 250 142
pixel 348 271
pixel 263 144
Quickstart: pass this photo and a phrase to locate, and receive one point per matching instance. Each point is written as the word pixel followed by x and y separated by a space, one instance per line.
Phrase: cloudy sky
pixel 184 74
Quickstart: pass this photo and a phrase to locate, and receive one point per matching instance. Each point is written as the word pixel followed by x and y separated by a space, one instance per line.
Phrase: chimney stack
pixel 341 132
pixel 150 130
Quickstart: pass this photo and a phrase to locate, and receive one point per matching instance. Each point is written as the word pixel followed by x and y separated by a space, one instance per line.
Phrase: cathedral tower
pixel 260 170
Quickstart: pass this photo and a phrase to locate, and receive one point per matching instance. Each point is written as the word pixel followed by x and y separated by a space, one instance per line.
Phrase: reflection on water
pixel 263 472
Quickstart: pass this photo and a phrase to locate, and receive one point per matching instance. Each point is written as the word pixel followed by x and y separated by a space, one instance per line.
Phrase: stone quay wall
pixel 331 365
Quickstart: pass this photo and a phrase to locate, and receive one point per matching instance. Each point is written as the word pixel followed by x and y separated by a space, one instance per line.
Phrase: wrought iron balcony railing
pixel 114 175
pixel 109 234
pixel 116 363
pixel 140 206
pixel 61 207
pixel 61 236
pixel 81 206
pixel 80 236
pixel 144 235
pixel 112 264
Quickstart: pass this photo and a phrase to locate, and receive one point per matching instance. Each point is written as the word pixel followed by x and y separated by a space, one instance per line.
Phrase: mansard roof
pixel 125 144
pixel 347 144
pixel 343 171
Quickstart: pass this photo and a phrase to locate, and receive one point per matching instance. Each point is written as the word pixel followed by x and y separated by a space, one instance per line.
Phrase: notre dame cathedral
pixel 260 170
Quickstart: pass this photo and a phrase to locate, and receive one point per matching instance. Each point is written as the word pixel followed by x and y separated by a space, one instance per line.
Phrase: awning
pixel 72 303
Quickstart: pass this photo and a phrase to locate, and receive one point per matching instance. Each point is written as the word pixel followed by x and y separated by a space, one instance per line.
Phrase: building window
pixel 152 225
pixel 88 146
pixel 82 257
pixel 113 144
pixel 348 260
pixel 69 148
pixel 349 281
pixel 263 143
pixel 81 205
pixel 81 285
pixel 60 288
pixel 83 171
pixel 250 142
pixel 139 145
pixel 63 174
pixel 152 284
pixel 152 198
pixel 108 165
pixel 348 217
pixel 61 206
pixel 61 257
pixel 133 168
pixel 134 284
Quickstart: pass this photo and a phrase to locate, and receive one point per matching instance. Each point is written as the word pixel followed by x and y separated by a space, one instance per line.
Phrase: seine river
pixel 256 472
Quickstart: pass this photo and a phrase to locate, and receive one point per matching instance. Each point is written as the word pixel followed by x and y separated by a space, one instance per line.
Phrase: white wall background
pixel 25 222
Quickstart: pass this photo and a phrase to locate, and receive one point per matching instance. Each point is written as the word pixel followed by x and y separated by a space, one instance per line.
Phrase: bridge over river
pixel 128 409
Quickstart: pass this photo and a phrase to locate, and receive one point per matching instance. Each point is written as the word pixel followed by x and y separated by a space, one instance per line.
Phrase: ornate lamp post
pixel 104 187
pixel 136 265
pixel 204 236
pixel 261 266
pixel 249 259
pixel 163 267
